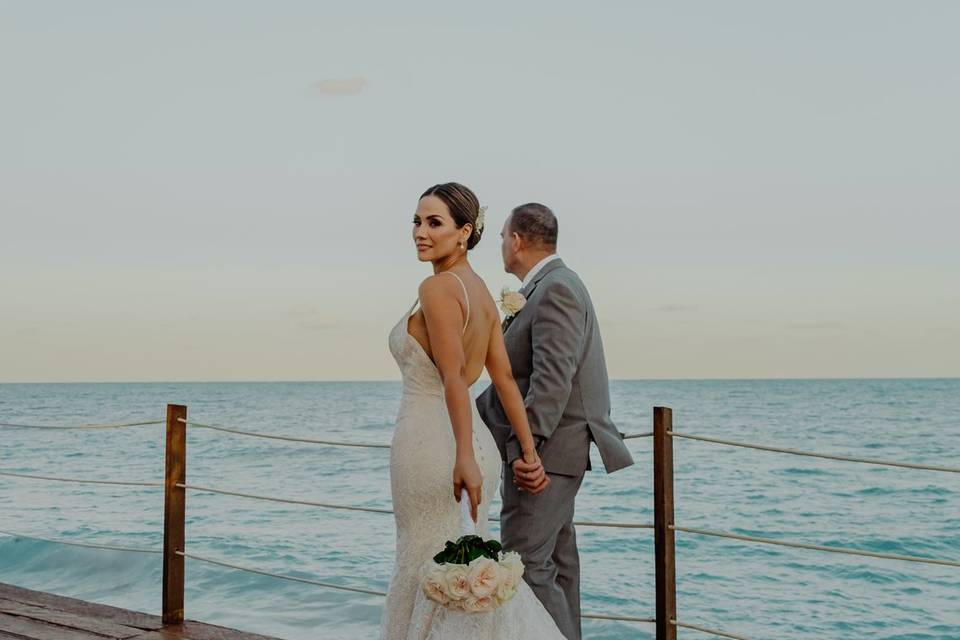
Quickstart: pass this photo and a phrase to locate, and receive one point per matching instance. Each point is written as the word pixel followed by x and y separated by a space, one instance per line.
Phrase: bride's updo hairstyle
pixel 463 206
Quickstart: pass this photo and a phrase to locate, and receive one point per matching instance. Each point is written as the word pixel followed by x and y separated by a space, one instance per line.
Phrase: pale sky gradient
pixel 223 190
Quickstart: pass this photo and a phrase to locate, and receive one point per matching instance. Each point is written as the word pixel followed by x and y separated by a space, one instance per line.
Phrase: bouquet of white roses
pixel 472 574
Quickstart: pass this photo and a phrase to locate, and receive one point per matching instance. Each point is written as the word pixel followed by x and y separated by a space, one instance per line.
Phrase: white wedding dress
pixel 422 456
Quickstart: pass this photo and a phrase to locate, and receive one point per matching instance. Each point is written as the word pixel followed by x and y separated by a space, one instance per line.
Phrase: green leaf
pixel 494 548
pixel 467 549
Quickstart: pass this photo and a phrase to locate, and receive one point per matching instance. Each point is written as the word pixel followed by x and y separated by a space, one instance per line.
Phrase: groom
pixel 557 359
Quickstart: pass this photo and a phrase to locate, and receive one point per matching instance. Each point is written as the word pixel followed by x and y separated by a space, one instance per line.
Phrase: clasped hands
pixel 529 474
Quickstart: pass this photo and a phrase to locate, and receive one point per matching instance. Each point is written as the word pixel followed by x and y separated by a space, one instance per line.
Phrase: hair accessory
pixel 479 225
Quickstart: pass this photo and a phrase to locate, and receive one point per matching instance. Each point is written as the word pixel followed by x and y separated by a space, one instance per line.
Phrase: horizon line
pixel 397 380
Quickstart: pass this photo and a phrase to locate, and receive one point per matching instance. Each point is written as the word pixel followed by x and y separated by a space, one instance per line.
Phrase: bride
pixel 440 445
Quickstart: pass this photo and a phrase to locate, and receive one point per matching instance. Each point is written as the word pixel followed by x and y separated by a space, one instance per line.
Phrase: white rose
pixel 454 605
pixel 479 605
pixel 511 560
pixel 456 584
pixel 484 577
pixel 433 584
pixel 508 585
pixel 511 302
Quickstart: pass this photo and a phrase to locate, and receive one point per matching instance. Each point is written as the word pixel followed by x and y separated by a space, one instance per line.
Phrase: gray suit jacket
pixel 557 359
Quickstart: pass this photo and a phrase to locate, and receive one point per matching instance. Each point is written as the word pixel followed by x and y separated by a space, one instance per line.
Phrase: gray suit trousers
pixel 540 528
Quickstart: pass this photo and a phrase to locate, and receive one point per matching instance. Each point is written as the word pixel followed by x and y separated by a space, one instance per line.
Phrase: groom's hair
pixel 535 223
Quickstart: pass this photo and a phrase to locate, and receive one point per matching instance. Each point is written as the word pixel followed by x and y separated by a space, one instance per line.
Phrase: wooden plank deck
pixel 35 615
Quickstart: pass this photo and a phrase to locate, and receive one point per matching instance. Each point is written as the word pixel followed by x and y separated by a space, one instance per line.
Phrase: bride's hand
pixel 529 474
pixel 466 474
pixel 531 457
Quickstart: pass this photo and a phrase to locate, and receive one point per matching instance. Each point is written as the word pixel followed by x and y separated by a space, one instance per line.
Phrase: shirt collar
pixel 537 268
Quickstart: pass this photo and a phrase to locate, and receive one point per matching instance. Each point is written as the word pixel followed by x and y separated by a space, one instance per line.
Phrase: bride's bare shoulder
pixel 490 309
pixel 435 284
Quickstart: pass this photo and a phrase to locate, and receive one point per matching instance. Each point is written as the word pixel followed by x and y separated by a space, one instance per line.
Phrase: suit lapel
pixel 527 290
pixel 547 268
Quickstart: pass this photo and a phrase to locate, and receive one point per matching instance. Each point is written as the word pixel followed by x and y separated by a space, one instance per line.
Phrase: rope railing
pixel 812 454
pixel 722 634
pixel 816 547
pixel 81 480
pixel 281 576
pixel 614 525
pixel 81 544
pixel 372 592
pixel 663 493
pixel 335 443
pixel 368 445
pixel 80 426
pixel 271 574
pixel 328 505
pixel 605 616
pixel 308 503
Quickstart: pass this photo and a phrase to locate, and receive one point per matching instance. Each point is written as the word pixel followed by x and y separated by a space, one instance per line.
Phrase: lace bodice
pixel 419 373
pixel 417 370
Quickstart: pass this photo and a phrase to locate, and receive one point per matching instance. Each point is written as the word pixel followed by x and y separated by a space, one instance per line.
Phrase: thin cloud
pixel 943 330
pixel 302 310
pixel 817 326
pixel 675 308
pixel 340 86
pixel 320 325
pixel 312 318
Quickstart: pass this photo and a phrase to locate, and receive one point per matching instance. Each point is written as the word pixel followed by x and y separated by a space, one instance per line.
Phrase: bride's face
pixel 435 232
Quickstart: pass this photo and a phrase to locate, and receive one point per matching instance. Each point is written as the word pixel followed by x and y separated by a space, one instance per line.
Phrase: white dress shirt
pixel 537 268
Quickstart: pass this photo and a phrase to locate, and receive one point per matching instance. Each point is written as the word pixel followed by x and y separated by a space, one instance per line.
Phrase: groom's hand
pixel 530 476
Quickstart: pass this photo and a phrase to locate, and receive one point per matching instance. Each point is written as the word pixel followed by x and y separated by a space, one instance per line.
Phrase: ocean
pixel 754 590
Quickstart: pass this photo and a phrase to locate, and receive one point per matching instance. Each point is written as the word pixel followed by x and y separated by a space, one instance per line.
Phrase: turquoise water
pixel 758 591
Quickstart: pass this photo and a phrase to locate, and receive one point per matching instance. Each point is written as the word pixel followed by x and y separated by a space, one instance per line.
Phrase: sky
pixel 224 190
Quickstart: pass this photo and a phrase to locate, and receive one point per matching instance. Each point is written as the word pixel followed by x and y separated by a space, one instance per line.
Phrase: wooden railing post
pixel 174 511
pixel 666 566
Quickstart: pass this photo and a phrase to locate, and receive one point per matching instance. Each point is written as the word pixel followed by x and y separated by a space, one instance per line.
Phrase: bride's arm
pixel 444 320
pixel 501 375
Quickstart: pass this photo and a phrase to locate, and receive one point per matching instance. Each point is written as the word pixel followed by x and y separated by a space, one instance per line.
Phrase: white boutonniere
pixel 511 302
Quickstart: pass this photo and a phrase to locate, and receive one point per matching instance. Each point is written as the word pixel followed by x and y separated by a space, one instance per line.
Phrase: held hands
pixel 529 474
pixel 466 475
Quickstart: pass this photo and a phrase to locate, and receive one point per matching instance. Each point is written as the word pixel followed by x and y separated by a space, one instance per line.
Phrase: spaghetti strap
pixel 412 307
pixel 466 295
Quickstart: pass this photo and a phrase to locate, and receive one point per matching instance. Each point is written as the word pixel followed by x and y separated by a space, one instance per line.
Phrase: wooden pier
pixel 35 615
